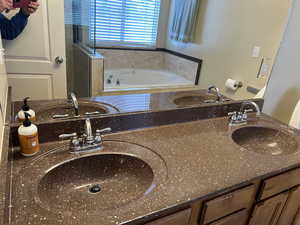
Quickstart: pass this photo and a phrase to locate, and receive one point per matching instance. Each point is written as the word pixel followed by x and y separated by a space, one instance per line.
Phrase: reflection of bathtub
pixel 142 78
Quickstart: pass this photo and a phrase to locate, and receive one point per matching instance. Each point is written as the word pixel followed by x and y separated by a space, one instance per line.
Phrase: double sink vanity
pixel 185 158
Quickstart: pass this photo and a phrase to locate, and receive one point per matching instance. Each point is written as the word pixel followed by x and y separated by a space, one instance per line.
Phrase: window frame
pixel 118 45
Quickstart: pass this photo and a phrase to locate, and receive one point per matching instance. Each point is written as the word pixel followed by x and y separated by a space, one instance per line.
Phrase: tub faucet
pixel 241 117
pixel 109 79
pixel 219 95
pixel 74 103
pixel 87 142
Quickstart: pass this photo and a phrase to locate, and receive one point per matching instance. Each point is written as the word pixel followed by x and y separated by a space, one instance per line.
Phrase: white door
pixel 3 94
pixel 30 59
pixel 3 86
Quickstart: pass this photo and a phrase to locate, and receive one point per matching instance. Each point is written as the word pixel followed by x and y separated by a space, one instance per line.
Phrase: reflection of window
pixel 125 22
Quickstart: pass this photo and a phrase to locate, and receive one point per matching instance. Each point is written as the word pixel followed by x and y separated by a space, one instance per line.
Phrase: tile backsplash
pixel 120 59
pixel 181 66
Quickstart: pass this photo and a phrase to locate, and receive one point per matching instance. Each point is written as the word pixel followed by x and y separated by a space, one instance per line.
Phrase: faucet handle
pixel 106 130
pixel 67 136
pixel 248 110
pixel 74 141
pixel 211 87
pixel 232 113
pixel 98 137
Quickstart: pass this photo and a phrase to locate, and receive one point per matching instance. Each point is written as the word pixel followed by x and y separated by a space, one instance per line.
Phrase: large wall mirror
pixel 108 47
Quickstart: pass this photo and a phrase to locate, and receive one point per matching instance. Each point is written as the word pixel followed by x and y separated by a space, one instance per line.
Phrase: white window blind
pixel 124 22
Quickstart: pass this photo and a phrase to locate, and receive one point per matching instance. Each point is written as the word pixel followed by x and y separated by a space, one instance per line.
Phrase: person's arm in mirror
pixel 31 8
pixel 12 28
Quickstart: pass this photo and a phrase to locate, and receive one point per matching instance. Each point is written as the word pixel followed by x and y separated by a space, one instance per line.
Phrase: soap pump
pixel 28 137
pixel 26 108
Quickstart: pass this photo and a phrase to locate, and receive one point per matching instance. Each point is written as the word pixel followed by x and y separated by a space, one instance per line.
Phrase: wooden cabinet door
pixel 269 211
pixel 239 218
pixel 291 209
pixel 297 219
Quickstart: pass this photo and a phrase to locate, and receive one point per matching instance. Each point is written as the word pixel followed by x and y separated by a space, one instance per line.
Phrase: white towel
pixel 295 120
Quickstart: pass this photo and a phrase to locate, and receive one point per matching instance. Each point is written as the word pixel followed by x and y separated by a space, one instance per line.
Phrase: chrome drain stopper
pixel 95 189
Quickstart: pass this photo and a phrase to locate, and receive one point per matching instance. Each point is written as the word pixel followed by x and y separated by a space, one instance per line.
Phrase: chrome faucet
pixel 87 142
pixel 253 104
pixel 219 95
pixel 241 117
pixel 89 138
pixel 75 104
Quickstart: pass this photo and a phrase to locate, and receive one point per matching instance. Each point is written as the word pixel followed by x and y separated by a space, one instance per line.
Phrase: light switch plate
pixel 1 111
pixel 256 52
pixel 1 56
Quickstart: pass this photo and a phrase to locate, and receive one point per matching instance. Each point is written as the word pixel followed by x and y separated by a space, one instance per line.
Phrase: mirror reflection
pixel 108 47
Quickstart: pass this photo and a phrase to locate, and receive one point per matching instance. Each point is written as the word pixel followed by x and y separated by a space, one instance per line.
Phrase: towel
pixel 295 120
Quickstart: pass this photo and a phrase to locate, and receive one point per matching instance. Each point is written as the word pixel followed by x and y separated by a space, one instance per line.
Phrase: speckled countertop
pixel 190 161
pixel 4 176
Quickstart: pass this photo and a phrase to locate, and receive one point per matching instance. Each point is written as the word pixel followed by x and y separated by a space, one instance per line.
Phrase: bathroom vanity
pixel 171 166
pixel 179 156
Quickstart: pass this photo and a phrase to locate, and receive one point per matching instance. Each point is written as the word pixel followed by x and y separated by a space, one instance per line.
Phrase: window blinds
pixel 124 22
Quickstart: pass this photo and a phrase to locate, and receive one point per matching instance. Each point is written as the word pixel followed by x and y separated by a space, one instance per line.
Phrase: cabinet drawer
pixel 227 204
pixel 239 218
pixel 280 183
pixel 180 218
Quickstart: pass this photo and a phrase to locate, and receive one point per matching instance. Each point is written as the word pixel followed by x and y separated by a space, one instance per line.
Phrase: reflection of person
pixel 12 28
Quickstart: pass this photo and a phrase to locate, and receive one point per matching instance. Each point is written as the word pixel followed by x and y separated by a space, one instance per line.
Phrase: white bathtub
pixel 124 79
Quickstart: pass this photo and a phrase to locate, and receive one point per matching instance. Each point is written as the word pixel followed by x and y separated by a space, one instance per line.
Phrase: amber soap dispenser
pixel 28 137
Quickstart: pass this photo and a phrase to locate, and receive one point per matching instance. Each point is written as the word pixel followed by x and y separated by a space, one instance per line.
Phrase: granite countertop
pixel 131 103
pixel 200 160
pixel 4 175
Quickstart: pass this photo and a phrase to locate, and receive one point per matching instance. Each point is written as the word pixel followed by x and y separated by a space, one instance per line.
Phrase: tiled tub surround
pixel 134 103
pixel 201 160
pixel 87 75
pixel 156 60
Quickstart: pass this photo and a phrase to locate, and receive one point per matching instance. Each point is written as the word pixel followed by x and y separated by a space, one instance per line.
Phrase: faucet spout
pixel 241 117
pixel 219 95
pixel 253 104
pixel 75 103
pixel 89 131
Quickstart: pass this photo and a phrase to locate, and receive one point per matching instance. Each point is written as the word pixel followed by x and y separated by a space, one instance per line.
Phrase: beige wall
pixel 283 90
pixel 226 33
pixel 3 94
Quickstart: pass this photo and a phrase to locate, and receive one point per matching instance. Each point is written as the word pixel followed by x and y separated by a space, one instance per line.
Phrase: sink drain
pixel 95 189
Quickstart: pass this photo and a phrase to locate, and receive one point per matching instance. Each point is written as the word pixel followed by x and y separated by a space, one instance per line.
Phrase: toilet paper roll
pixel 232 84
